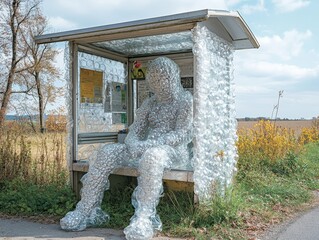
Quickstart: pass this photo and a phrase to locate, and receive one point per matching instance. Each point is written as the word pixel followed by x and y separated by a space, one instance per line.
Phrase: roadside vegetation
pixel 278 171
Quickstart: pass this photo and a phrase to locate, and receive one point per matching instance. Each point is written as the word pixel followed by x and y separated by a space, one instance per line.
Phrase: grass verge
pixel 262 195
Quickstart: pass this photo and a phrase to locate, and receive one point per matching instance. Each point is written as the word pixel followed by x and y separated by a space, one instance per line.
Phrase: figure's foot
pixel 156 222
pixel 78 221
pixel 139 229
pixel 97 218
pixel 74 221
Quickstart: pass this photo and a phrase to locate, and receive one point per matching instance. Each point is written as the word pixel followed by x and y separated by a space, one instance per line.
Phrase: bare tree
pixel 15 17
pixel 31 67
pixel 43 71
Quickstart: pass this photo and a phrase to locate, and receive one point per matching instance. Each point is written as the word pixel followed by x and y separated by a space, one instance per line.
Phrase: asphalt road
pixel 21 229
pixel 304 227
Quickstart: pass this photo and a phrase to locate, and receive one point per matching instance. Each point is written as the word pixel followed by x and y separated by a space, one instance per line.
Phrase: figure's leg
pixel 95 182
pixel 146 195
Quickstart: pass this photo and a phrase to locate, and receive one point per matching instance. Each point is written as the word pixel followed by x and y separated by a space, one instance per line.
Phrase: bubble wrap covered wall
pixel 214 114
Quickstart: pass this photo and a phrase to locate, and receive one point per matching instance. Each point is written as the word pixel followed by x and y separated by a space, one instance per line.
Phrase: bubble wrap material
pixel 157 139
pixel 214 114
pixel 172 42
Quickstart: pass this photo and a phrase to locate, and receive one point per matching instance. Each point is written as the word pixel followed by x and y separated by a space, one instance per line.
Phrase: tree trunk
pixel 7 93
pixel 6 98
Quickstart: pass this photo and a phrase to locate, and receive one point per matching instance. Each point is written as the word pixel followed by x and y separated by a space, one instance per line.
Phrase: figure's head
pixel 163 77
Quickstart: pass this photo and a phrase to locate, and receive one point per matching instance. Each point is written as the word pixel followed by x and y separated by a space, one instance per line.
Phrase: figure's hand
pixel 137 148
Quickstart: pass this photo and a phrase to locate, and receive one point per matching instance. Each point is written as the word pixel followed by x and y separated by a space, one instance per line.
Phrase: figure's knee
pixel 108 156
pixel 154 159
pixel 116 150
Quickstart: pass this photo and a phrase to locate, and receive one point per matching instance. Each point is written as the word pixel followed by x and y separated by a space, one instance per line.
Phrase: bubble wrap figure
pixel 157 139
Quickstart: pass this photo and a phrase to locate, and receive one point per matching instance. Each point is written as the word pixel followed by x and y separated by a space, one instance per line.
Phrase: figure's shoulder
pixel 150 101
pixel 186 100
pixel 188 95
pixel 147 103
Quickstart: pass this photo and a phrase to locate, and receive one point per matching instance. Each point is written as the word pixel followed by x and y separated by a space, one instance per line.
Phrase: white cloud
pixel 285 47
pixel 289 5
pixel 61 24
pixel 275 65
pixel 248 9
pixel 284 72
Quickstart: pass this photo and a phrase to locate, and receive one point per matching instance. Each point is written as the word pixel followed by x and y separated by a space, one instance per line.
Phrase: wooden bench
pixel 176 180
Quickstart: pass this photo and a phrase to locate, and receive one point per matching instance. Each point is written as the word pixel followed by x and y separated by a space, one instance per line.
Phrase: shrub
pixel 265 143
pixel 311 134
pixel 56 123
pixel 22 198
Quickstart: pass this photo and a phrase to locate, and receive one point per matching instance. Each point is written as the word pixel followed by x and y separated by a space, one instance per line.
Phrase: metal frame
pixel 86 48
pixel 126 27
pixel 159 25
pixel 75 95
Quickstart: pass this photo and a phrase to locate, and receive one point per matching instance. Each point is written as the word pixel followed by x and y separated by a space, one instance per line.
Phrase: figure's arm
pixel 182 133
pixel 139 127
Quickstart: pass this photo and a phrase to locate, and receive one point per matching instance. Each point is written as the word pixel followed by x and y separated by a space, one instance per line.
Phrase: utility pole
pixel 276 107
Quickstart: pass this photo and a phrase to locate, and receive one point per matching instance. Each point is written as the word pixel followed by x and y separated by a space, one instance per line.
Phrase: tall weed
pixel 15 155
pixel 36 158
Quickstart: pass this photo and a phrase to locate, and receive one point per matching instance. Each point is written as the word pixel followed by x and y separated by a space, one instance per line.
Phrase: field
pixel 295 125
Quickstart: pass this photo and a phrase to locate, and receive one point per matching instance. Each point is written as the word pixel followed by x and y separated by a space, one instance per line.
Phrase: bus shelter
pixel 106 85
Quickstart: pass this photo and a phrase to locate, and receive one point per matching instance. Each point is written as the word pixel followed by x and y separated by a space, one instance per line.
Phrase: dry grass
pixel 34 157
pixel 48 154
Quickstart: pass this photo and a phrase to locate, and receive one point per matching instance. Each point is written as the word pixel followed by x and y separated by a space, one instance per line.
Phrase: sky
pixel 287 31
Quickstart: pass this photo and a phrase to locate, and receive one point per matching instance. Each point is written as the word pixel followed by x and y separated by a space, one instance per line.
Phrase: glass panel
pixel 166 43
pixel 86 150
pixel 103 97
